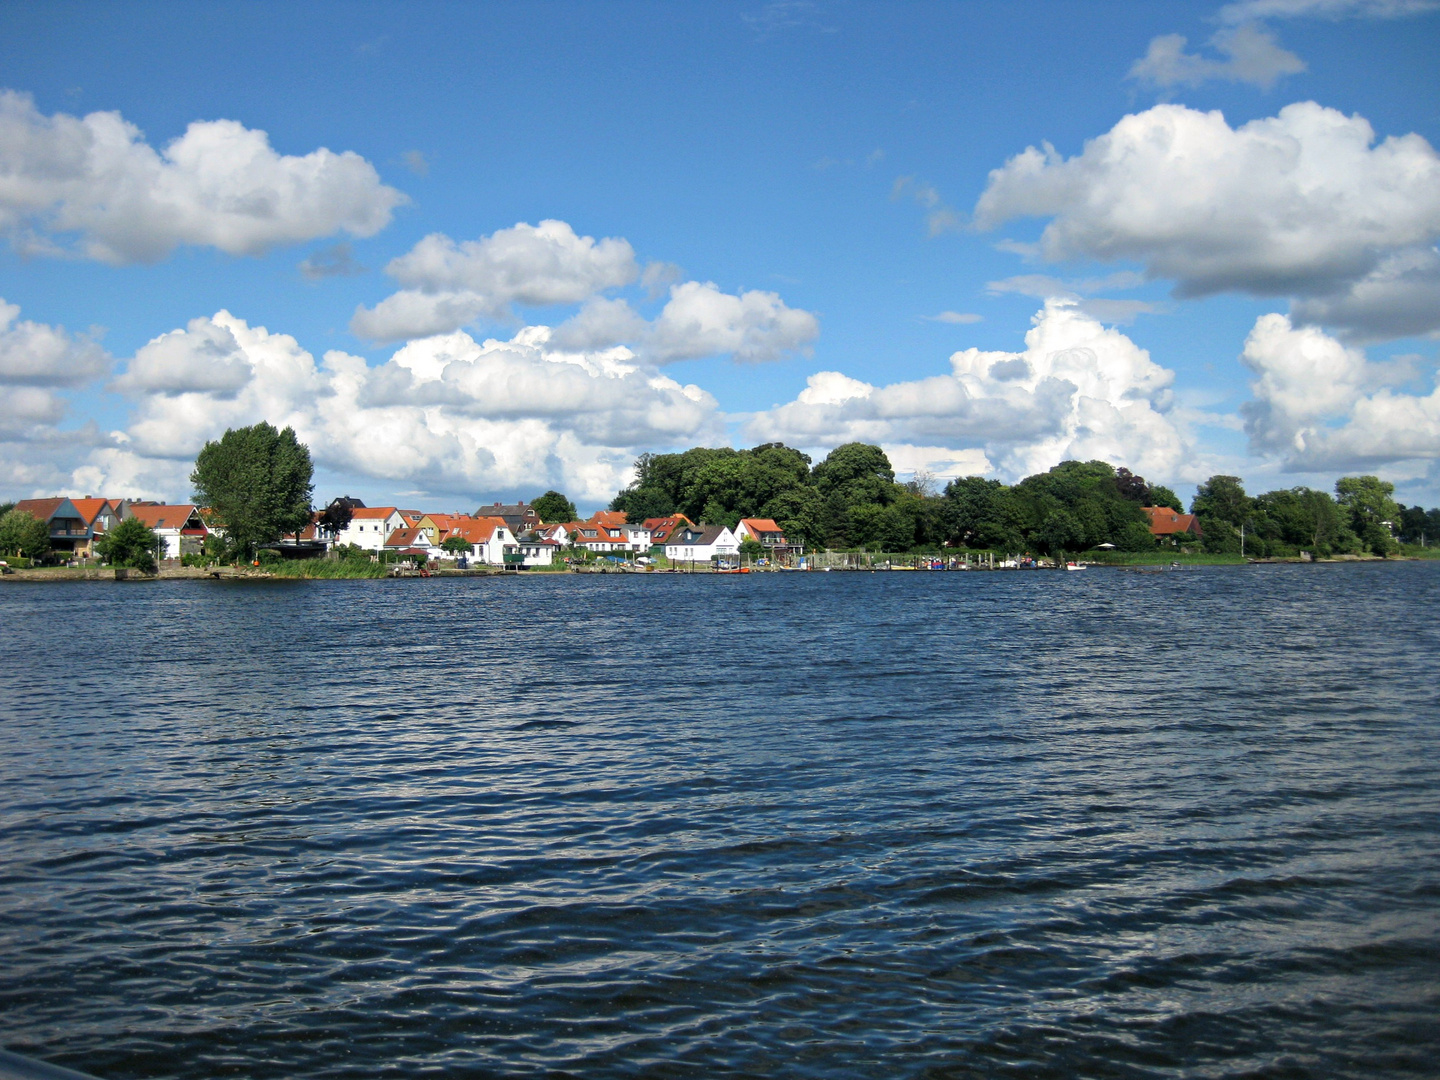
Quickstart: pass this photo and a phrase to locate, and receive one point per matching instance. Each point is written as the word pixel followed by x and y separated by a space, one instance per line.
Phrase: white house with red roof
pixel 370 527
pixel 490 539
pixel 596 537
pixel 179 525
pixel 766 532
pixel 410 541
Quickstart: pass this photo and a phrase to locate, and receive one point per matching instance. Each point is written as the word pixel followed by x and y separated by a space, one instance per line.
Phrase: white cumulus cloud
pixel 448 285
pixel 444 414
pixel 35 354
pixel 1078 390
pixel 202 358
pixel 1320 404
pixel 1303 204
pixel 700 320
pixel 222 185
pixel 37 361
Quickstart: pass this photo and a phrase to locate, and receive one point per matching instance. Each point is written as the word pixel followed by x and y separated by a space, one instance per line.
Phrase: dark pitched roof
pixel 696 535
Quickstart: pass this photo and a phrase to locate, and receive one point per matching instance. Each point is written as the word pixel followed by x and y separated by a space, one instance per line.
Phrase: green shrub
pixel 131 544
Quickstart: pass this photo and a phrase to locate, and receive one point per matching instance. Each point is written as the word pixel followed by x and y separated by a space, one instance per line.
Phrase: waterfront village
pixel 496 535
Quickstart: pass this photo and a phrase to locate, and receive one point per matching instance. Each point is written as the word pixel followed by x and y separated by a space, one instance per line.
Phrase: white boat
pixel 1073 566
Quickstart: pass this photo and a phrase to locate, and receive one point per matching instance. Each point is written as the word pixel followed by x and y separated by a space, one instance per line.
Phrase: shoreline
pixel 234 573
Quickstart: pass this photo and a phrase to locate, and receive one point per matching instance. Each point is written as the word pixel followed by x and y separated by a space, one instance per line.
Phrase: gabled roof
pixel 593 532
pixel 371 513
pixel 403 538
pixel 761 525
pixel 44 509
pixel 475 530
pixel 163 516
pixel 515 514
pixel 1167 522
pixel 445 522
pixel 696 535
pixel 661 527
pixel 609 517
pixel 89 509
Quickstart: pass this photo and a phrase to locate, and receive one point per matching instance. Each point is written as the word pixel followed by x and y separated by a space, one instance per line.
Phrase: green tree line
pixel 851 500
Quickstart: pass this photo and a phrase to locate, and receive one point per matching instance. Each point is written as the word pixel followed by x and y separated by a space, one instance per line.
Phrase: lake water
pixel 832 825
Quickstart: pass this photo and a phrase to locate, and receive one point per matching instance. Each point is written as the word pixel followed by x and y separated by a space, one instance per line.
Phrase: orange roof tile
pixel 40 508
pixel 761 525
pixel 161 516
pixel 1167 522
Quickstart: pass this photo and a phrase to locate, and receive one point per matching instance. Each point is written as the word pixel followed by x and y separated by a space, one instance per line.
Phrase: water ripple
pixel 911 825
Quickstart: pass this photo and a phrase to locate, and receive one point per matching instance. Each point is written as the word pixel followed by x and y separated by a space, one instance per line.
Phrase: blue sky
pixel 819 163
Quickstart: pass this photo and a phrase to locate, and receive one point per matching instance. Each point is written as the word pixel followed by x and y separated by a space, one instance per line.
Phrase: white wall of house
pixel 637 537
pixel 723 544
pixel 538 554
pixel 172 542
pixel 370 532
pixel 493 551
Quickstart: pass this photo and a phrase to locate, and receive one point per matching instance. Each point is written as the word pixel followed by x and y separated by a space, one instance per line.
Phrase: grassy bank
pixel 1158 558
pixel 1415 551
pixel 325 568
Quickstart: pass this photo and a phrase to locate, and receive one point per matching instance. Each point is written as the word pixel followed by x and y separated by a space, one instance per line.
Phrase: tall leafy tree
pixel 257 481
pixel 1419 526
pixel 24 534
pixel 1374 514
pixel 1160 495
pixel 859 473
pixel 1132 487
pixel 1221 498
pixel 554 508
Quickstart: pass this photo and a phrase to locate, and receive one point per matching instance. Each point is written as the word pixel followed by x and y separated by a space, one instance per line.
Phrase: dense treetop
pixel 852 500
pixel 256 480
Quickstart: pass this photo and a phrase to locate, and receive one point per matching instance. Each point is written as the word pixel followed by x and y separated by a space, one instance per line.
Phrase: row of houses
pixel 497 534
pixel 76 524
pixel 500 534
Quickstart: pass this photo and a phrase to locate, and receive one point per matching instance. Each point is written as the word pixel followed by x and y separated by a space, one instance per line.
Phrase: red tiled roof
pixel 40 508
pixel 402 538
pixel 1167 522
pixel 89 508
pixel 371 513
pixel 455 521
pixel 475 530
pixel 761 525
pixel 661 527
pixel 609 517
pixel 161 516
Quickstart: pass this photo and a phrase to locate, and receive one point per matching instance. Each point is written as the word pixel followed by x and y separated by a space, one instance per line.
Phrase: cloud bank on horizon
pixel 537 356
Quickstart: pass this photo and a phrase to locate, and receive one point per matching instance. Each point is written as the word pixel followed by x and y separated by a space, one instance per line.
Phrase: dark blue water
pixel 829 825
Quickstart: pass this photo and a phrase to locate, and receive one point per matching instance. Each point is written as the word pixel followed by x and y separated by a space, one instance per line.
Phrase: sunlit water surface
pixel 892 825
